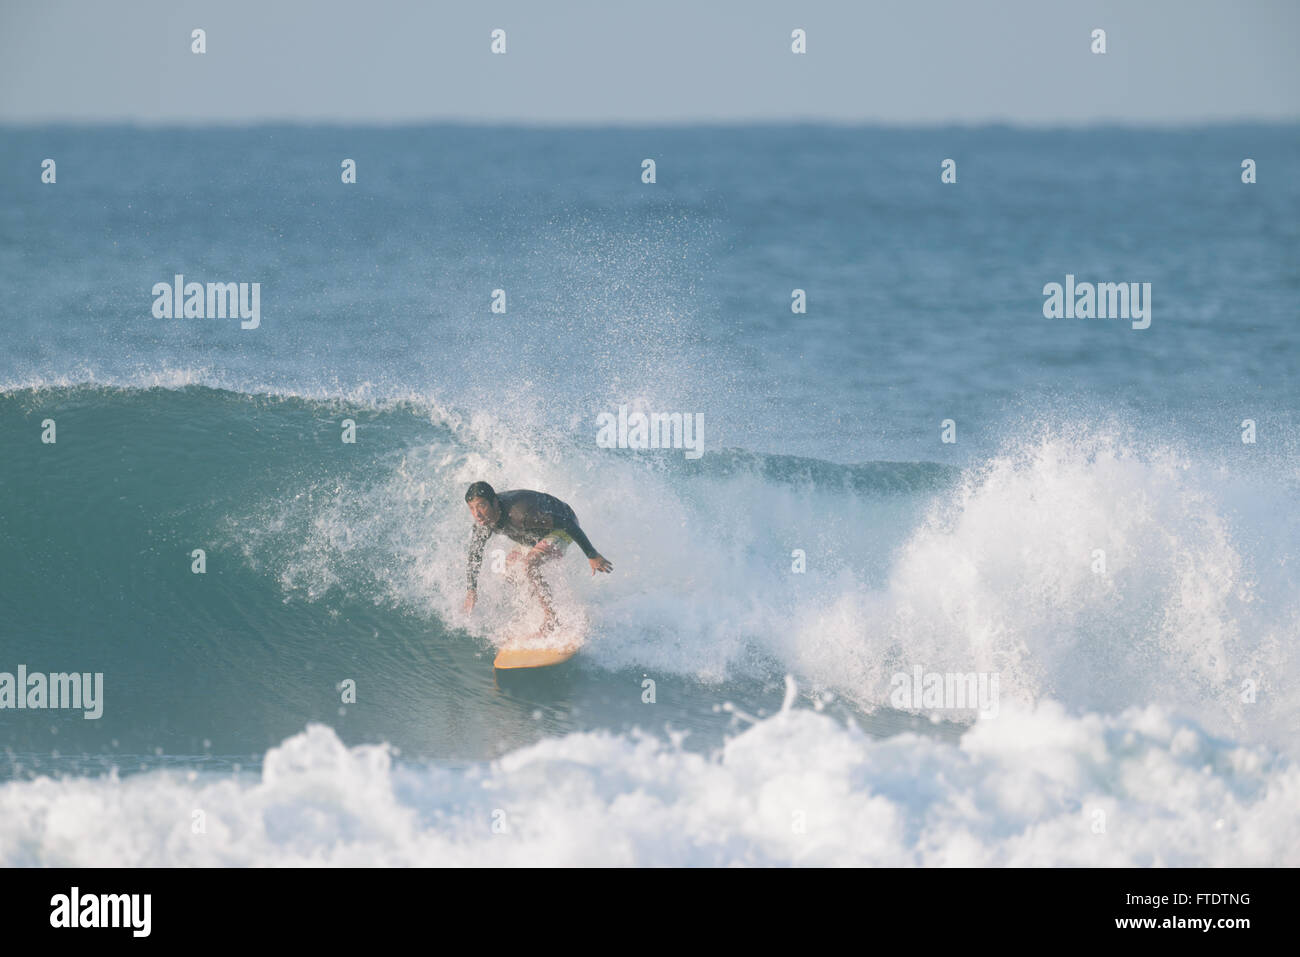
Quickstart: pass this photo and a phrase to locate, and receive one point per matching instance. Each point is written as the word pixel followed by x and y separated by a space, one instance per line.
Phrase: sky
pixel 573 62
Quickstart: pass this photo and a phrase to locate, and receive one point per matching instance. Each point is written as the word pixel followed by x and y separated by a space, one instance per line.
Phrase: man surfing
pixel 534 519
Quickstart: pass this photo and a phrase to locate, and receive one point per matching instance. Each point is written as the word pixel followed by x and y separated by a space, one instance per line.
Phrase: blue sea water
pixel 330 562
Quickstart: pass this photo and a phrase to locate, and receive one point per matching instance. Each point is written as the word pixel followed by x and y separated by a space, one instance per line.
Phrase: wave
pixel 1084 565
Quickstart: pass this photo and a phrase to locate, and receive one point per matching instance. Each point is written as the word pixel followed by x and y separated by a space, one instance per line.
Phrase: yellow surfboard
pixel 536 653
pixel 532 657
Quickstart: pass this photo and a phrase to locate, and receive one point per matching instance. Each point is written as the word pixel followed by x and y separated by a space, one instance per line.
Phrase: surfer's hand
pixel 598 564
pixel 469 602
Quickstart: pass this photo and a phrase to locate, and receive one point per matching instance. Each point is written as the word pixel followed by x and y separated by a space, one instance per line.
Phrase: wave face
pixel 328 562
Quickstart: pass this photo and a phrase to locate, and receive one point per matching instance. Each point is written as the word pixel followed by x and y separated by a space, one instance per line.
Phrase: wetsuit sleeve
pixel 569 525
pixel 476 543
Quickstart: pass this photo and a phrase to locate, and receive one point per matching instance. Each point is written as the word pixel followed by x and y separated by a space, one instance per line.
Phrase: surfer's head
pixel 483 503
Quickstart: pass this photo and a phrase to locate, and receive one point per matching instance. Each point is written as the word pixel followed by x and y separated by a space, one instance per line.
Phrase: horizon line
pixel 433 122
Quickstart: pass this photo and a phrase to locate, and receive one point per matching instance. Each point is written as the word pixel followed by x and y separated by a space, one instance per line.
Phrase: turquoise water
pixel 330 562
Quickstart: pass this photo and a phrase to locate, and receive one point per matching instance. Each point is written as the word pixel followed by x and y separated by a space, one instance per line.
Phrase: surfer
pixel 534 519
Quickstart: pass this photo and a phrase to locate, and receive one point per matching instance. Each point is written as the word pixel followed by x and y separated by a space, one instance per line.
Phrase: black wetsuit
pixel 526 517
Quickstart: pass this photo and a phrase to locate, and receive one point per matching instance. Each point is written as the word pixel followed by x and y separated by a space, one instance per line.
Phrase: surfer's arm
pixel 476 545
pixel 569 525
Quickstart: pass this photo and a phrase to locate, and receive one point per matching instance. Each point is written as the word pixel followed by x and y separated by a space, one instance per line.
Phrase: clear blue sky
pixel 579 62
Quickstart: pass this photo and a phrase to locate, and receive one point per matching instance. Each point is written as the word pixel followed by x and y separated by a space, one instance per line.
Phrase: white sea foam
pixel 1030 788
pixel 1196 608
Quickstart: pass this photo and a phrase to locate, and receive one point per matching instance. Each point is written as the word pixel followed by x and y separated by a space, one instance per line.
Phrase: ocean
pixel 252 528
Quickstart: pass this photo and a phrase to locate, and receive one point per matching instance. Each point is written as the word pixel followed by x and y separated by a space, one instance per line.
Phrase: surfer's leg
pixel 555 545
pixel 542 592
